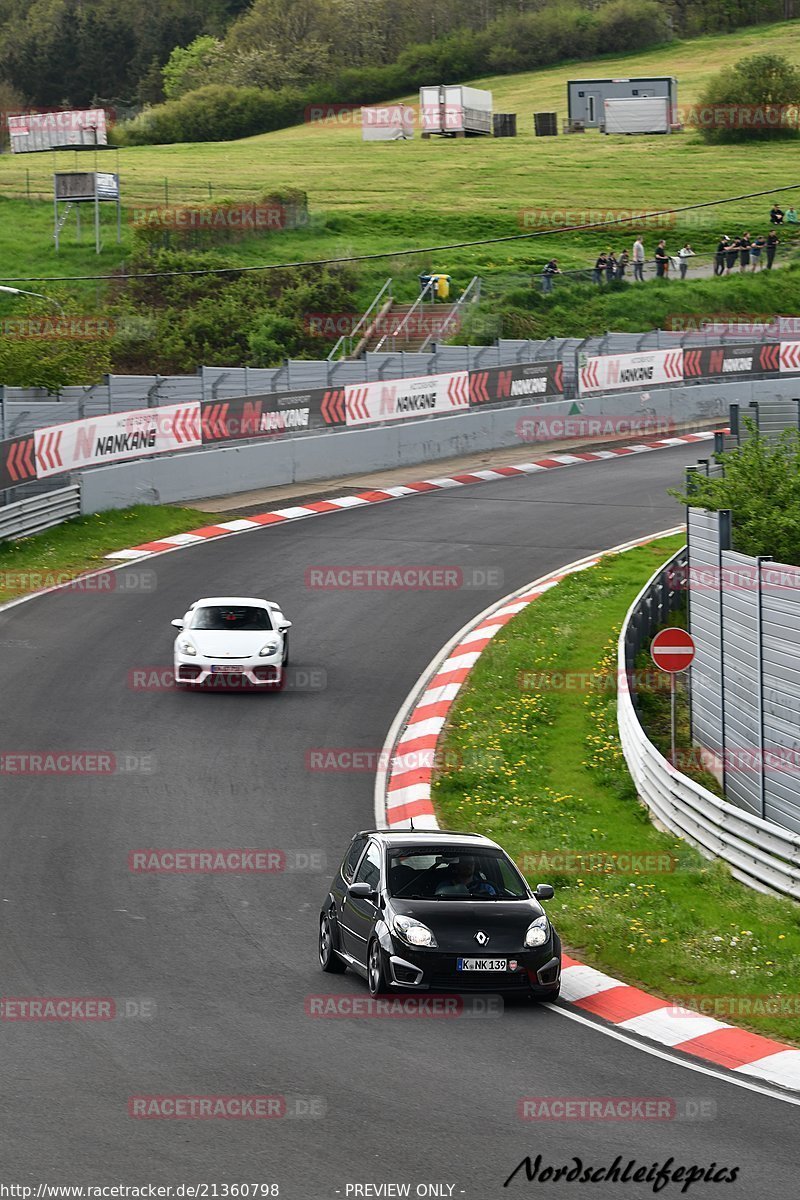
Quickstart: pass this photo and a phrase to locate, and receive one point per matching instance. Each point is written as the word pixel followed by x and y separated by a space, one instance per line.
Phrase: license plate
pixel 482 964
pixel 218 670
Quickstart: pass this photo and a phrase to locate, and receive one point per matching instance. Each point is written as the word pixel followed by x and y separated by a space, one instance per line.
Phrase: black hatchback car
pixel 438 911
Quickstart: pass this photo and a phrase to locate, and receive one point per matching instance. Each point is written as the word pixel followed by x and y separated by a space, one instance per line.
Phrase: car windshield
pixel 442 873
pixel 231 617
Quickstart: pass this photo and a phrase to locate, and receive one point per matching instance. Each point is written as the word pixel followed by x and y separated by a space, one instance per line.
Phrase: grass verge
pixel 75 547
pixel 540 769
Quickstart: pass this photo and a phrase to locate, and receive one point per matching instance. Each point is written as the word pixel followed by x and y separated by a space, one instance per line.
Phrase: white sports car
pixel 233 641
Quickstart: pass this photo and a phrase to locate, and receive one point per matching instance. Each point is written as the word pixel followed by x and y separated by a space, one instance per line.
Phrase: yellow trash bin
pixel 442 286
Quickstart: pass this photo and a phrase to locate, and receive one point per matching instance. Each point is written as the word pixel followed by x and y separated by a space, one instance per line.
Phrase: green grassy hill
pixel 369 197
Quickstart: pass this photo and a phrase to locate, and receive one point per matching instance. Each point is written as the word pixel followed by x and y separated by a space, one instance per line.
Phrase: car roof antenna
pixel 410 822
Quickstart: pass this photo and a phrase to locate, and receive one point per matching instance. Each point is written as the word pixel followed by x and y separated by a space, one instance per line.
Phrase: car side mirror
pixel 284 624
pixel 544 891
pixel 362 891
pixel 178 623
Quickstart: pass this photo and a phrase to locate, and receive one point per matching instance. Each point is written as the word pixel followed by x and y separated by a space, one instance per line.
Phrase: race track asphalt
pixel 227 962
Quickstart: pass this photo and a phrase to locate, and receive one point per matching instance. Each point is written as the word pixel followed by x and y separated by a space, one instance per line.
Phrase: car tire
pixel 328 958
pixel 376 969
pixel 286 650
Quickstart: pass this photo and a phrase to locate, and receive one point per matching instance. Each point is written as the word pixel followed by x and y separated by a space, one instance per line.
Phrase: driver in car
pixel 461 879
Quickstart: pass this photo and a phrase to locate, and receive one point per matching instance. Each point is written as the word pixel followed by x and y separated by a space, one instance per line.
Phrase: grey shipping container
pixel 586 97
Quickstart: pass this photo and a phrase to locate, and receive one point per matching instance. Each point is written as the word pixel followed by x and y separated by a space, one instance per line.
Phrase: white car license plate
pixel 219 670
pixel 482 964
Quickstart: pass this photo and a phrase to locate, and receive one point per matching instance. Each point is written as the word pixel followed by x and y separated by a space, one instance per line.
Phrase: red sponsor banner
pixel 17 461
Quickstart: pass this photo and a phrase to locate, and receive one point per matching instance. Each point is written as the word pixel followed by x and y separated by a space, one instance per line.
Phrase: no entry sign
pixel 672 650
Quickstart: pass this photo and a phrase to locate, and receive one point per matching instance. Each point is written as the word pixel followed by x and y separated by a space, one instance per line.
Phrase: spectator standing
pixel 791 217
pixel 772 246
pixel 731 255
pixel 776 214
pixel 744 251
pixel 662 260
pixel 599 268
pixel 755 251
pixel 552 268
pixel 638 259
pixel 622 263
pixel 719 256
pixel 611 266
pixel 684 254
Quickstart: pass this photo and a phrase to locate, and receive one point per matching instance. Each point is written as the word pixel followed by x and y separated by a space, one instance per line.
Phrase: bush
pixel 761 487
pixel 215 113
pixel 758 99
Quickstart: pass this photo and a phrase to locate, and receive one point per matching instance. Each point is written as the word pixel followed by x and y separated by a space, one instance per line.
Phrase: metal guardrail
pixel 760 854
pixel 37 513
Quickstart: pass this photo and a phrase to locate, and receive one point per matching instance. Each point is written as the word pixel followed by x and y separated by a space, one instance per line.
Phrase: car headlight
pixel 269 648
pixel 414 932
pixel 537 933
pixel 186 647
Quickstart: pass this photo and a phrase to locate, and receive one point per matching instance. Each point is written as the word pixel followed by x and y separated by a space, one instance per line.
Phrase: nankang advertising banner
pixel 617 372
pixel 268 414
pixel 736 358
pixel 522 383
pixel 397 399
pixel 116 437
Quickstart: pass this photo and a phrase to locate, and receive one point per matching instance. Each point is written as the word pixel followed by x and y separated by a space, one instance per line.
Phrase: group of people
pixel 745 251
pixel 778 217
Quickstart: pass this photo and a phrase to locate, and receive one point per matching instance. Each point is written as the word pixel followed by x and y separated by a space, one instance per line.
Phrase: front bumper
pixel 196 671
pixel 537 972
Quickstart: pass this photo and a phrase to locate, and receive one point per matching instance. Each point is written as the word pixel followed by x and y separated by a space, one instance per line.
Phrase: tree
pixel 759 97
pixel 193 66
pixel 761 487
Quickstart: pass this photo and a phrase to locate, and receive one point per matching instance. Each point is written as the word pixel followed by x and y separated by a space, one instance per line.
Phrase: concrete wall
pixel 241 467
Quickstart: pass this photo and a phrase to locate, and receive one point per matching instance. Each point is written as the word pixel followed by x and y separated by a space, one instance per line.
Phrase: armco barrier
pixel 37 513
pixel 759 854
pixel 112 437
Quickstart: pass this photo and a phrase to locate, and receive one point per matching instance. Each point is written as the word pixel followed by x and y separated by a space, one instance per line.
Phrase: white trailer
pixel 393 123
pixel 455 111
pixel 643 114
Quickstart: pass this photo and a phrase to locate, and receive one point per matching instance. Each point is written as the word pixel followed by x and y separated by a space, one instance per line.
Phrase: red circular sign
pixel 672 650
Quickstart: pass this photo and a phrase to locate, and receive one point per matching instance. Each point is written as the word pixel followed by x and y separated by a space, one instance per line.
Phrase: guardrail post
pixel 733 420
pixel 724 523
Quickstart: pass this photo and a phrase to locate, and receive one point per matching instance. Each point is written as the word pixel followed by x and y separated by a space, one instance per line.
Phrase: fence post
pixel 723 543
pixel 760 662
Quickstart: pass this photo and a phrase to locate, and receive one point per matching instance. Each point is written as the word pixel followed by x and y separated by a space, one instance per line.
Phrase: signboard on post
pixel 673 650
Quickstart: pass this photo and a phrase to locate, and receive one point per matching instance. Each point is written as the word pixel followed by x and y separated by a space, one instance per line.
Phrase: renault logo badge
pixel 481 938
